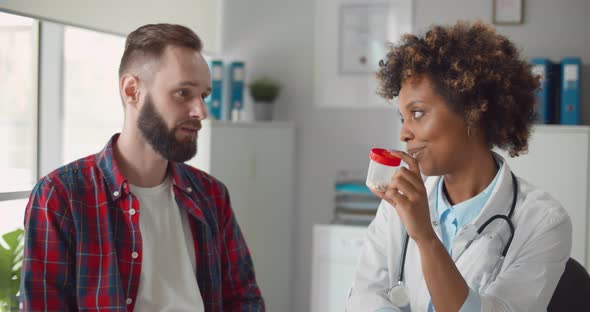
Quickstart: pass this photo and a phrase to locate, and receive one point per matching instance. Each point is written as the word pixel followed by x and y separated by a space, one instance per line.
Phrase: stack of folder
pixel 226 101
pixel 215 99
pixel 354 204
pixel 559 98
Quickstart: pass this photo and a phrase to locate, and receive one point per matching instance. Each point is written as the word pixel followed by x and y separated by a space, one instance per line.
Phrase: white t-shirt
pixel 168 281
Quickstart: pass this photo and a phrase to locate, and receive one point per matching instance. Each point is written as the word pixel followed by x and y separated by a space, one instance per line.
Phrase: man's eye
pixel 182 93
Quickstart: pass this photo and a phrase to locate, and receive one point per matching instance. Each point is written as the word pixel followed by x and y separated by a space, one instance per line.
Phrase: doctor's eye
pixel 417 114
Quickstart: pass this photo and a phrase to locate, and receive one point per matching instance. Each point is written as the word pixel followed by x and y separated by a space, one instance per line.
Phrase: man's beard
pixel 163 140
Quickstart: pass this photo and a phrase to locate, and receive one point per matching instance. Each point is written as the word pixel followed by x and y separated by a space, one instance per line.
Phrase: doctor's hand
pixel 407 194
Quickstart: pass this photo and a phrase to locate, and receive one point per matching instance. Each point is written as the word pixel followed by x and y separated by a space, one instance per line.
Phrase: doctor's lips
pixel 415 151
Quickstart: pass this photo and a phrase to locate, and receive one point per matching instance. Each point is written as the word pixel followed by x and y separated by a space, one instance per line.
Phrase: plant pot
pixel 263 111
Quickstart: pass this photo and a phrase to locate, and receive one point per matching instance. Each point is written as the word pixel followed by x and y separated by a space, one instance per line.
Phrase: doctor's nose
pixel 405 134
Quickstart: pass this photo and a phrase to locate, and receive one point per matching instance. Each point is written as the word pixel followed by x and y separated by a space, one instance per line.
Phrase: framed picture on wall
pixel 507 12
pixel 362 37
pixel 351 37
pixel 365 29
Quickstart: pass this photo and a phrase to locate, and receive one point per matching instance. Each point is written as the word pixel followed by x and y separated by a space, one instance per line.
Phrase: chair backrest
pixel 573 289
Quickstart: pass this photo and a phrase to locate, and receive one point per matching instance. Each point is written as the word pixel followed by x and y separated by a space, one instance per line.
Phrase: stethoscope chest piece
pixel 398 295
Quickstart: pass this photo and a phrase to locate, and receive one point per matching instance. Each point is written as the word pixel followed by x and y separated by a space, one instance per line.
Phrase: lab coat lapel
pixel 500 200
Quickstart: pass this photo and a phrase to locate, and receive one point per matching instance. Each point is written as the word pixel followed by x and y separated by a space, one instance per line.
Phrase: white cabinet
pixel 255 161
pixel 336 249
pixel 558 162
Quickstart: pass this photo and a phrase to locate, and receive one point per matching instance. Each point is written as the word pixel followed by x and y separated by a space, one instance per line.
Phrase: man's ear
pixel 129 85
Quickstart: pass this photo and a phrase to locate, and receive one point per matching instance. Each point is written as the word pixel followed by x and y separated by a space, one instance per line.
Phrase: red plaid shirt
pixel 83 248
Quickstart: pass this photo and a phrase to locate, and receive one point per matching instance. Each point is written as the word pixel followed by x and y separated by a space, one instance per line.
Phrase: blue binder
pixel 236 96
pixel 547 104
pixel 571 72
pixel 215 99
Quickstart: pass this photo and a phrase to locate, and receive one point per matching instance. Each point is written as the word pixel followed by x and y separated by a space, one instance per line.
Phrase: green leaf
pixel 13 239
pixel 5 270
pixel 11 258
pixel 14 287
pixel 20 248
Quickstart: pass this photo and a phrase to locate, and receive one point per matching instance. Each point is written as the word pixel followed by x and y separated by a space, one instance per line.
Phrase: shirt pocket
pixel 480 262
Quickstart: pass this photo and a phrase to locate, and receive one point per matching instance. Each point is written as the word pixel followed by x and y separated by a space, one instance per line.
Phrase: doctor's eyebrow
pixel 412 103
pixel 409 106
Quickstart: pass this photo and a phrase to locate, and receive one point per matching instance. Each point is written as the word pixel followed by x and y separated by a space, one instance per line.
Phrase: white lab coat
pixel 527 277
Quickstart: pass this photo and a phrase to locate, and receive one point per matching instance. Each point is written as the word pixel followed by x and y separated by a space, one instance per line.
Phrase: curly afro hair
pixel 478 72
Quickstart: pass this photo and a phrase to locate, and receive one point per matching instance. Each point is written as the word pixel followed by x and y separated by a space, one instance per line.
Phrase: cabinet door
pixel 256 164
pixel 557 162
pixel 336 249
pixel 231 161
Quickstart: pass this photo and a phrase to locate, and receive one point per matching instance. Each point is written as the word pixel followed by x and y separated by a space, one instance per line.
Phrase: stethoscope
pixel 398 294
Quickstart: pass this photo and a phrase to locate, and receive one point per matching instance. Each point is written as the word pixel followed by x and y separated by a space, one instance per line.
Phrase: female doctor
pixel 470 236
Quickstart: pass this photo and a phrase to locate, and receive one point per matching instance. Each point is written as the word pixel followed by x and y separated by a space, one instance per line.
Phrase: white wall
pixel 121 17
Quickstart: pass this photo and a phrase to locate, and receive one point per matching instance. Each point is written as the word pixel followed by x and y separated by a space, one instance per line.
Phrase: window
pixel 18 133
pixel 18 116
pixel 18 103
pixel 92 106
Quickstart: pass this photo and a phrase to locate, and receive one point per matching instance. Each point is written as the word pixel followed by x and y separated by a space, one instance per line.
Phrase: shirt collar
pixel 179 179
pixel 468 210
pixel 117 184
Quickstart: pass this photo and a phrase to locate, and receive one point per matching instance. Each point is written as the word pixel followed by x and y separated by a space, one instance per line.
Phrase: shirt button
pixel 116 193
pixel 134 255
pixel 132 211
pixel 188 189
pixel 129 301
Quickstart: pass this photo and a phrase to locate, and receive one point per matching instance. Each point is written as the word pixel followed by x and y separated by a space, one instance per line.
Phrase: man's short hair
pixel 149 41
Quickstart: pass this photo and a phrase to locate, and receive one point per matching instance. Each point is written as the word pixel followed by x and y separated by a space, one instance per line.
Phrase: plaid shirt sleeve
pixel 47 280
pixel 240 290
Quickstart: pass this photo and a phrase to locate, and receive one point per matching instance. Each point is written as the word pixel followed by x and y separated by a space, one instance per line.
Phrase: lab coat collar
pixel 499 202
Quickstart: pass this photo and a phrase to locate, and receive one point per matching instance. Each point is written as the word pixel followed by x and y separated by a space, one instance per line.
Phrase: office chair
pixel 573 289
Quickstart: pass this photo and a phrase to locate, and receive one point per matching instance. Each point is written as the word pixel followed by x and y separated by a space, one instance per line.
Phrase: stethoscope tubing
pixel 400 278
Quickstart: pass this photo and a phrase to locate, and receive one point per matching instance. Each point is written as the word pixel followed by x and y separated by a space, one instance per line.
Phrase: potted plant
pixel 264 91
pixel 11 257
